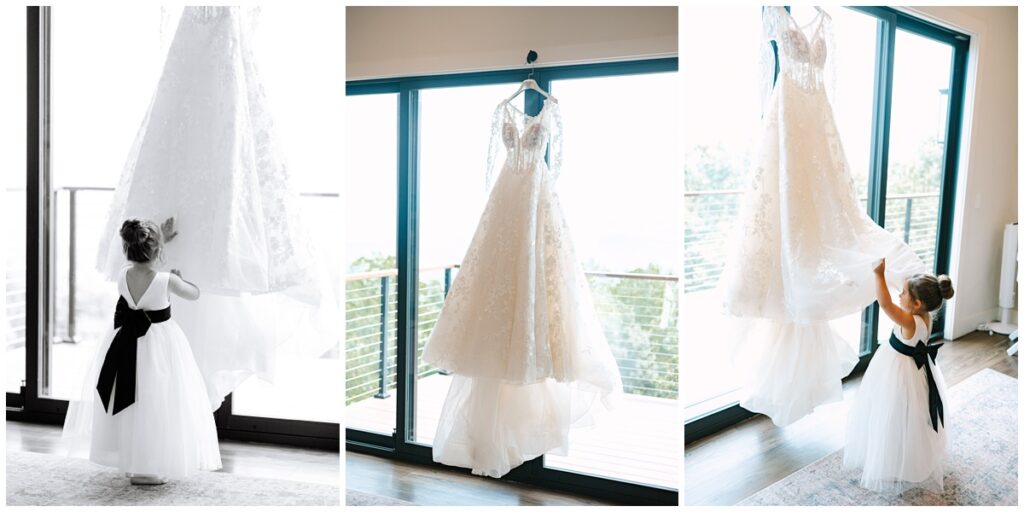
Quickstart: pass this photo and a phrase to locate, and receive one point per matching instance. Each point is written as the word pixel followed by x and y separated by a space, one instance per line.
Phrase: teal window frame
pixel 400 444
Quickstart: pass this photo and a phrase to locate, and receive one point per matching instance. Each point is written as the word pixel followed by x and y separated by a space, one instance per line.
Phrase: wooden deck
pixel 638 442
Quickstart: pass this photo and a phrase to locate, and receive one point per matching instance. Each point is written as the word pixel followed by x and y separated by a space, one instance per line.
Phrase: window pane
pixel 304 383
pixel 455 130
pixel 619 191
pixel 920 99
pixel 90 142
pixel 370 300
pixel 855 35
pixel 722 124
pixel 12 157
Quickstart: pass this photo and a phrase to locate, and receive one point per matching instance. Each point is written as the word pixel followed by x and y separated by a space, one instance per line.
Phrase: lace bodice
pixel 804 52
pixel 526 139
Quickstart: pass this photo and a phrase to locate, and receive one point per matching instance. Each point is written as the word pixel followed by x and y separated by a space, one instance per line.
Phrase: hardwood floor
pixel 246 459
pixel 610 450
pixel 731 465
pixel 430 486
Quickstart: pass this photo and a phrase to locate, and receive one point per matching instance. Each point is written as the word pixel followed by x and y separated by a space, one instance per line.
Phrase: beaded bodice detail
pixel 526 139
pixel 803 51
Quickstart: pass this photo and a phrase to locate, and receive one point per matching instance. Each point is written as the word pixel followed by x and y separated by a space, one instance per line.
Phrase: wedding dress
pixel 805 252
pixel 518 328
pixel 207 155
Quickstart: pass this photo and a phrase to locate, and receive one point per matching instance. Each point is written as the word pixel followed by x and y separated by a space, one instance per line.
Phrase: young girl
pixel 144 408
pixel 896 429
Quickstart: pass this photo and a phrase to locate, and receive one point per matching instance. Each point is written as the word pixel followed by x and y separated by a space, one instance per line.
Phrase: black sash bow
pixel 920 353
pixel 119 363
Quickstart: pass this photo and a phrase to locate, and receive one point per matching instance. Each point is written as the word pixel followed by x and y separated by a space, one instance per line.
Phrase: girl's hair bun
pixel 945 287
pixel 140 240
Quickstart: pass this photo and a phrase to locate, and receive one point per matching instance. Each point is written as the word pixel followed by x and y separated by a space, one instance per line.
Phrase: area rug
pixel 981 467
pixel 355 498
pixel 40 479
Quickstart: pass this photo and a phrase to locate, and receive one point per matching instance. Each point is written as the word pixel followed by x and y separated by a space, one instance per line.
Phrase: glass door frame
pixel 400 444
pixel 889 20
pixel 31 404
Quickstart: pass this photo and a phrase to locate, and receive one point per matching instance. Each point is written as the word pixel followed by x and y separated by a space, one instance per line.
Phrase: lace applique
pixel 802 55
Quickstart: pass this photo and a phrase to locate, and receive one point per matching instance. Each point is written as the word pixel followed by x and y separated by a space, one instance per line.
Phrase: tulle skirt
pixel 889 435
pixel 492 426
pixel 169 431
pixel 788 369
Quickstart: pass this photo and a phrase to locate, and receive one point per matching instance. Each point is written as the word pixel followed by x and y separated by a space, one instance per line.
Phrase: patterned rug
pixel 981 468
pixel 355 498
pixel 39 479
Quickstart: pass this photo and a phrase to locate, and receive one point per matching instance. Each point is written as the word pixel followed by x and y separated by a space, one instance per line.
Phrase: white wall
pixel 410 41
pixel 987 176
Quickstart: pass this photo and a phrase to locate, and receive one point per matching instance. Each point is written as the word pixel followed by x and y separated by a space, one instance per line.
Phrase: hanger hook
pixel 531 57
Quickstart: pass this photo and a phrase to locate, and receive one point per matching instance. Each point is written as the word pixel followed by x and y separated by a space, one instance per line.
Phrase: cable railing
pixel 71 302
pixel 637 311
pixel 711 221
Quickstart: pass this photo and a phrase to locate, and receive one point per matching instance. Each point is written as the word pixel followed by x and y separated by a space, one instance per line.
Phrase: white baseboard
pixel 968 323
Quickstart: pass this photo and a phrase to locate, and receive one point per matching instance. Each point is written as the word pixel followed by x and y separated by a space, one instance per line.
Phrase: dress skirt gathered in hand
pixel 806 249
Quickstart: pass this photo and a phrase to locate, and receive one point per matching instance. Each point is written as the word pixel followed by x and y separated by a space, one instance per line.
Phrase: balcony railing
pixel 69 225
pixel 711 220
pixel 638 312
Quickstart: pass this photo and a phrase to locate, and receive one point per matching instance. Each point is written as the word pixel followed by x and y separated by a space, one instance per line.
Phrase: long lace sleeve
pixel 494 145
pixel 831 57
pixel 767 54
pixel 555 151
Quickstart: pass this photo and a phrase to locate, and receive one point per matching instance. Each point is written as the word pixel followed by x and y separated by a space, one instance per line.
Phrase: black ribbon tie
pixel 921 353
pixel 118 368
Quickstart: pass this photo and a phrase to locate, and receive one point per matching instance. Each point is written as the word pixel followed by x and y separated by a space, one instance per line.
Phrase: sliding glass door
pixel 619 189
pixel 616 189
pixel 370 285
pixel 87 96
pixel 13 35
pixel 899 84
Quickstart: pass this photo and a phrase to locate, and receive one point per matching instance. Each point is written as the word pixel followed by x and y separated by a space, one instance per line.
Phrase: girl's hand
pixel 167 229
pixel 880 269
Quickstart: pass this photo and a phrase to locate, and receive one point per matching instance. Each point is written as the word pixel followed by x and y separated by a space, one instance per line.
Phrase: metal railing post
pixel 382 391
pixel 447 280
pixel 906 220
pixel 72 229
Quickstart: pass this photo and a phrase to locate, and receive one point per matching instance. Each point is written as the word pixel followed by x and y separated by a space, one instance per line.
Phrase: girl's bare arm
pixel 904 319
pixel 181 287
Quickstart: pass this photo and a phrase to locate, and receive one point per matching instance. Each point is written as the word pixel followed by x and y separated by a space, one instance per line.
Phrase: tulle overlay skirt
pixel 169 431
pixel 792 368
pixel 520 332
pixel 889 435
pixel 804 255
